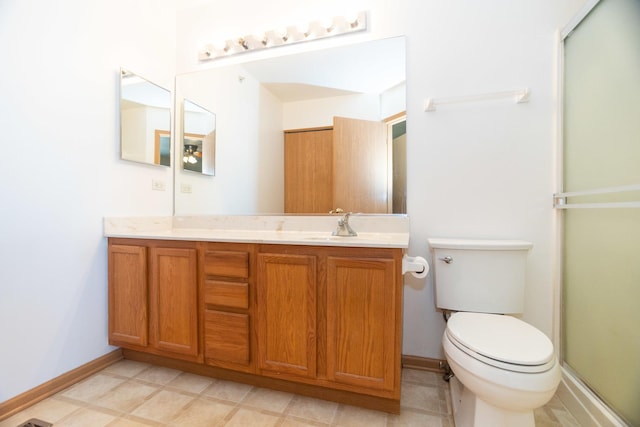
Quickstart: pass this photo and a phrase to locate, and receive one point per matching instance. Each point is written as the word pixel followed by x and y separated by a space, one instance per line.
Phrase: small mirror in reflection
pixel 145 120
pixel 198 139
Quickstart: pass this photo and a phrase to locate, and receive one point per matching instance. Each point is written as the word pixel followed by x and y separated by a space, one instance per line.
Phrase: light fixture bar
pixel 291 35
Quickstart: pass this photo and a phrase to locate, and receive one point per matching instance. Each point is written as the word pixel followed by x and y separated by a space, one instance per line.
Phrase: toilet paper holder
pixel 417 266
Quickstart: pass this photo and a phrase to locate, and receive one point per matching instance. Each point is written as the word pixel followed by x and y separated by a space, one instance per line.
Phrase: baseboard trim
pixel 584 405
pixel 424 363
pixel 35 395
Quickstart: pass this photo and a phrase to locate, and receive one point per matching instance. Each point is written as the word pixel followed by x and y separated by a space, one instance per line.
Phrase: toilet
pixel 503 368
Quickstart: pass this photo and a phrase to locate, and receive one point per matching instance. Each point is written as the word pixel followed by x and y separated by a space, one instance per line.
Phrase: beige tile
pixel 409 418
pixel 86 417
pixel 417 376
pixel 92 388
pixel 163 406
pixel 227 390
pixel 126 397
pixel 351 416
pixel 421 397
pixel 247 417
pixel 202 413
pixel 446 406
pixel 125 422
pixel 18 419
pixel 191 383
pixel 292 421
pixel 51 410
pixel 126 368
pixel 158 375
pixel 447 422
pixel 270 400
pixel 565 418
pixel 313 409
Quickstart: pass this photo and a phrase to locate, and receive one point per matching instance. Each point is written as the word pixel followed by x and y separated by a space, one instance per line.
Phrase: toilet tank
pixel 485 276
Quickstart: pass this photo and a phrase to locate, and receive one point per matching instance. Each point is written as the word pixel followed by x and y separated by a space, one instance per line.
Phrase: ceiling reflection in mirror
pixel 346 90
pixel 198 139
pixel 145 120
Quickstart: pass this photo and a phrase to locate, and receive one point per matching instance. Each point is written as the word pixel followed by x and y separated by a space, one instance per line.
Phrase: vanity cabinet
pixel 153 297
pixel 228 282
pixel 318 320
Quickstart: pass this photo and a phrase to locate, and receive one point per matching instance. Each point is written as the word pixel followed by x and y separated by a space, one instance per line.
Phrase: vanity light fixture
pixel 314 31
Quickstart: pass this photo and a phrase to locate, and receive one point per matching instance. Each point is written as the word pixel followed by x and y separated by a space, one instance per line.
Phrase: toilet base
pixel 469 411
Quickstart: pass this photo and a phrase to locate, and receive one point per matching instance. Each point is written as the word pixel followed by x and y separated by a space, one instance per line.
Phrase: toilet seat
pixel 501 341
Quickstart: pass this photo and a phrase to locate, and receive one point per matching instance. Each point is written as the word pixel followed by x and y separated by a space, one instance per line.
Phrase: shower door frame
pixel 580 400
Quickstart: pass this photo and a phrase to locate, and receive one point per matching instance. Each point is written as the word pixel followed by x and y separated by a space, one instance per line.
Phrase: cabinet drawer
pixel 226 264
pixel 226 337
pixel 227 294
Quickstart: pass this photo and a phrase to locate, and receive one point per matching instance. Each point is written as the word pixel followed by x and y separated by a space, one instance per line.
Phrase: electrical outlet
pixel 185 188
pixel 158 185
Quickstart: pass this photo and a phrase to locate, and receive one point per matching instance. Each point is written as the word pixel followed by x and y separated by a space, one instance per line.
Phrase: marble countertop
pixel 387 231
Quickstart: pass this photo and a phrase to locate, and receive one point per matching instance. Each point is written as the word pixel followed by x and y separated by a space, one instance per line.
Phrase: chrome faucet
pixel 344 229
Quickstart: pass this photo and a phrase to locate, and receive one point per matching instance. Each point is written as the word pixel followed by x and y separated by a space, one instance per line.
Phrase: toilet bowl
pixel 506 368
pixel 503 367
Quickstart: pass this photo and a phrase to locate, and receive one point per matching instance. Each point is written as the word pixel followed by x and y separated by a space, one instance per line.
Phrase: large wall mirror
pixel 145 120
pixel 302 133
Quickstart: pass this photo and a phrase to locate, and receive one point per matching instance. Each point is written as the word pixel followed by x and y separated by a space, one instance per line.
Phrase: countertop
pixel 385 231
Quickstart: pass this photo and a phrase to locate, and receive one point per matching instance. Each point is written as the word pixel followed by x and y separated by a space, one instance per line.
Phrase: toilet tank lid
pixel 501 337
pixel 478 244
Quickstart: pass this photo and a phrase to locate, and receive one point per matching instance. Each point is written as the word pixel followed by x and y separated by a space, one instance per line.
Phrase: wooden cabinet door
pixel 308 171
pixel 361 322
pixel 128 310
pixel 360 165
pixel 287 314
pixel 173 297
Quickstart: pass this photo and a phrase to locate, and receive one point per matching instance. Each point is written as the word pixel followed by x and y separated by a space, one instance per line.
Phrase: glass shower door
pixel 601 203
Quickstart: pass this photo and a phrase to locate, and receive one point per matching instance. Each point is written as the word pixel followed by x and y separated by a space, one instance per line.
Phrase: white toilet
pixel 503 367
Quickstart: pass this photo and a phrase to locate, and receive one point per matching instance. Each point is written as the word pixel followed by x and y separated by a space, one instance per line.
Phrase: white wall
pixel 61 172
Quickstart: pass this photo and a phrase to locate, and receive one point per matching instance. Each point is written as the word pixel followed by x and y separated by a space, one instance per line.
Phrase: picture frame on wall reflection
pixel 162 148
pixel 192 152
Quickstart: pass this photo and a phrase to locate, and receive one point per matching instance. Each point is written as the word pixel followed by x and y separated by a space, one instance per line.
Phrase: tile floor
pixel 133 394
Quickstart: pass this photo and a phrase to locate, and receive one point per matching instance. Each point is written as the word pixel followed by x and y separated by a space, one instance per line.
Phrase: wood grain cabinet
pixel 287 314
pixel 318 320
pixel 153 297
pixel 227 292
pixel 173 299
pixel 361 322
pixel 128 295
pixel 331 315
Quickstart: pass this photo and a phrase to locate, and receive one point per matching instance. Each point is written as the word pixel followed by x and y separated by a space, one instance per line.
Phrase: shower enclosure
pixel 600 205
